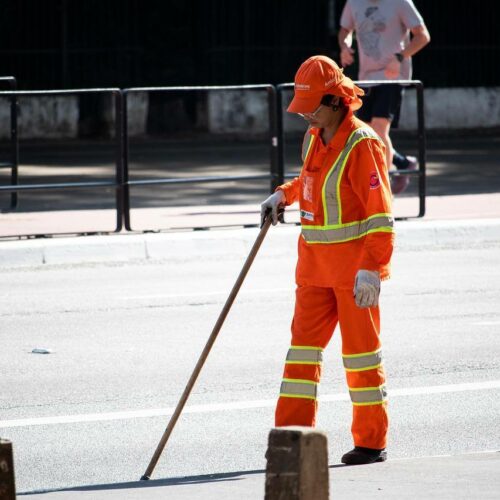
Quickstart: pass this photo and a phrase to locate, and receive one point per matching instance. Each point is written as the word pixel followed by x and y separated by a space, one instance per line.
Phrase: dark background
pixel 123 43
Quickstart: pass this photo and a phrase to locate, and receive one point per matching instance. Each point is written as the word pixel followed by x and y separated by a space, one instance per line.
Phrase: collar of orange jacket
pixel 347 125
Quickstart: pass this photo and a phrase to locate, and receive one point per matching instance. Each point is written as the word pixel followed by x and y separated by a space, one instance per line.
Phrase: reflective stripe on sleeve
pixel 365 396
pixel 304 355
pixel 297 388
pixel 362 362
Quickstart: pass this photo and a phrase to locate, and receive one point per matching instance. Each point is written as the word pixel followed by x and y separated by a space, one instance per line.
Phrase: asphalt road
pixel 126 337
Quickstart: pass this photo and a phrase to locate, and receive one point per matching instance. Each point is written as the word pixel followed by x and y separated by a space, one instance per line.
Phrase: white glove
pixel 272 203
pixel 367 288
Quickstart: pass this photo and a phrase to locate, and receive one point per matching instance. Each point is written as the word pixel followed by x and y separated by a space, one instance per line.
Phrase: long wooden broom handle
pixel 208 347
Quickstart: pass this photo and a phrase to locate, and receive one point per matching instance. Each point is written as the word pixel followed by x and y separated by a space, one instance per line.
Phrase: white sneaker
pixel 399 183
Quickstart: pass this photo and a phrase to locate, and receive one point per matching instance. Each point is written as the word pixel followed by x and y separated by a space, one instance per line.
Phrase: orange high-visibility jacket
pixel 345 206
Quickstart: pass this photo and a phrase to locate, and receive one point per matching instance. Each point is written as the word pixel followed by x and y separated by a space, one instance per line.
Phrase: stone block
pixel 297 464
pixel 7 485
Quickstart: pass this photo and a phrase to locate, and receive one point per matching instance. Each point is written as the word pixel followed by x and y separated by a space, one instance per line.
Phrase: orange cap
pixel 318 76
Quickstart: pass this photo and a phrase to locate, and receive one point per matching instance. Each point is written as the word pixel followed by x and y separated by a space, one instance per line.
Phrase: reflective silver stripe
pixel 298 354
pixel 348 231
pixel 332 215
pixel 365 361
pixel 299 389
pixel 368 395
pixel 306 145
pixel 333 231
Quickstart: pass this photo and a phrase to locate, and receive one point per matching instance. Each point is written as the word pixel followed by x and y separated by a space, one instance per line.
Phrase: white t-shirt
pixel 382 29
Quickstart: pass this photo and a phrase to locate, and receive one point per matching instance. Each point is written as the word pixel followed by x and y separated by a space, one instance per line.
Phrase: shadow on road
pixel 176 481
pixel 206 478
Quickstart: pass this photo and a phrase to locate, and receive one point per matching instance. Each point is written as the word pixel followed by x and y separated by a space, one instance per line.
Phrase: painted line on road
pixel 203 294
pixel 236 405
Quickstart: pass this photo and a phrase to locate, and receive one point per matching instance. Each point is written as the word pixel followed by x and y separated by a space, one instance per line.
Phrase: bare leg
pixel 382 127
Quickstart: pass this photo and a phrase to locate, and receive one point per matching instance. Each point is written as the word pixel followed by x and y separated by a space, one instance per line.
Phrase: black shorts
pixel 381 101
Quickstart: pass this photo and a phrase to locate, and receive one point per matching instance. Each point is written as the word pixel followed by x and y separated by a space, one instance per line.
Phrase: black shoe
pixel 360 456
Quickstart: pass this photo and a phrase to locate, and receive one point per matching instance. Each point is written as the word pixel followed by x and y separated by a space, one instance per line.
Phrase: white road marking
pixel 487 323
pixel 203 294
pixel 235 405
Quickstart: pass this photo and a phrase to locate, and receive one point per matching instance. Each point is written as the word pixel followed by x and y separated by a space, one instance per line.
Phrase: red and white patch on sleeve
pixel 374 180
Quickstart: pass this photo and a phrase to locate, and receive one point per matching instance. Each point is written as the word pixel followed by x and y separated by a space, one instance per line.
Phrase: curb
pixel 226 243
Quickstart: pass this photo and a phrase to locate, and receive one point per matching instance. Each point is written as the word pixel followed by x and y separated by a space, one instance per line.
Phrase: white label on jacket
pixel 306 215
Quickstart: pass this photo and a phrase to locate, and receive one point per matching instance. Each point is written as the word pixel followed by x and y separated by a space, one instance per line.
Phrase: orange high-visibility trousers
pixel 317 312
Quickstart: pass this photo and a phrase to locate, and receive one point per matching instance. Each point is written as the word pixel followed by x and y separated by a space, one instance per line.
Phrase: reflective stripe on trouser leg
pixel 362 359
pixel 314 320
pixel 364 396
pixel 298 393
pixel 296 388
pixel 362 362
pixel 297 403
pixel 304 355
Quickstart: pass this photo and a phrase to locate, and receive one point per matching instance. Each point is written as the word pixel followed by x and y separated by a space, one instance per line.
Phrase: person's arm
pixel 345 44
pixel 284 195
pixel 290 190
pixel 347 26
pixel 420 38
pixel 370 182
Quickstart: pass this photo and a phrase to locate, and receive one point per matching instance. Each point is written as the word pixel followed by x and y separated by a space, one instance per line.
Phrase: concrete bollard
pixel 7 485
pixel 297 464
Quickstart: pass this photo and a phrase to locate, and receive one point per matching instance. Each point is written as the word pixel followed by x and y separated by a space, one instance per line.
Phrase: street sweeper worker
pixel 344 253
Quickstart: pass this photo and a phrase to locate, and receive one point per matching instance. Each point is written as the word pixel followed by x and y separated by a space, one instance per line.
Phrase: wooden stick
pixel 208 347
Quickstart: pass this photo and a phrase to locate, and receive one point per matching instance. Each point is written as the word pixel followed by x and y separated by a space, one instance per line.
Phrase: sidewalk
pixel 471 206
pixel 466 476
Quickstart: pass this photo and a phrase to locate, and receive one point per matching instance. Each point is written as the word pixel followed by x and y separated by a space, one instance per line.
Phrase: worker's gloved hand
pixel 367 288
pixel 273 204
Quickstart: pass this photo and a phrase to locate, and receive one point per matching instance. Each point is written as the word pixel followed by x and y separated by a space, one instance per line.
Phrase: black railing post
pixel 276 170
pixel 119 169
pixel 14 144
pixel 126 187
pixel 421 148
pixel 14 141
pixel 280 137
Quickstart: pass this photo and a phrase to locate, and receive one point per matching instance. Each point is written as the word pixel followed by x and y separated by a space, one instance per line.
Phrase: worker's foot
pixel 360 456
pixel 399 183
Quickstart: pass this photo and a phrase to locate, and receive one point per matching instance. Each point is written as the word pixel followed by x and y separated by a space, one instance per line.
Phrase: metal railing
pixel 420 173
pixel 117 184
pixel 273 176
pixel 14 141
pixel 122 184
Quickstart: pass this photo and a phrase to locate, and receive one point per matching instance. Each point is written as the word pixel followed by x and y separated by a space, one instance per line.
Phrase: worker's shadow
pixel 176 481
